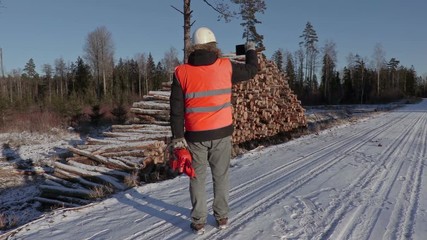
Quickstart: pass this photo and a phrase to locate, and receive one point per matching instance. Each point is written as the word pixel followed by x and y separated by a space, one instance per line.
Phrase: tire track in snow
pixel 263 182
pixel 415 194
pixel 384 189
pixel 365 229
pixel 369 176
pixel 283 192
pixel 404 212
pixel 336 145
pixel 340 145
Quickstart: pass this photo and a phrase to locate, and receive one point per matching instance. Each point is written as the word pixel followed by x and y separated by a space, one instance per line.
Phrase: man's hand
pixel 250 45
pixel 179 143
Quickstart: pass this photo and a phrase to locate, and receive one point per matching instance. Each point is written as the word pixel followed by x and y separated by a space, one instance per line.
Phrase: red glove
pixel 182 162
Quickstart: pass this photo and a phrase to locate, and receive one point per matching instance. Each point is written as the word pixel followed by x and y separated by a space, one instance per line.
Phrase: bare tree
pixel 141 59
pixel 1 62
pixel 17 77
pixel 379 58
pixel 187 26
pixel 361 67
pixel 60 72
pixel 222 9
pixel 170 61
pixel 99 49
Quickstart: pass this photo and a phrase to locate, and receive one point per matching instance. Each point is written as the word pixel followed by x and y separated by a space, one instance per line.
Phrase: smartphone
pixel 240 49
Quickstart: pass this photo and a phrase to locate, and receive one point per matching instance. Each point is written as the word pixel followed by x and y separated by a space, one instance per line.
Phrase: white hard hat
pixel 203 35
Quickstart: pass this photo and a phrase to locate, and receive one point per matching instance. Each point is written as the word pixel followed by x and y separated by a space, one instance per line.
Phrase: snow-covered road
pixel 364 180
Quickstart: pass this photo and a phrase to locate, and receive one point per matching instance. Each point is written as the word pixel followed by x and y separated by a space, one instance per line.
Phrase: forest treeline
pixel 91 80
pixel 67 89
pixel 98 78
pixel 315 78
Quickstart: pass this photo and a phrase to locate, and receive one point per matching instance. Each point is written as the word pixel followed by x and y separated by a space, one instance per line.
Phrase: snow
pixel 362 180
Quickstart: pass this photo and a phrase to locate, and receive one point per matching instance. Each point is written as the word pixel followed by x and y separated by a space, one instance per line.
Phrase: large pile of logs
pixel 263 107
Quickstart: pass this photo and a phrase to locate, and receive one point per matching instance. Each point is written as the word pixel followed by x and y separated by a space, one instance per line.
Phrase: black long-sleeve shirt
pixel 240 72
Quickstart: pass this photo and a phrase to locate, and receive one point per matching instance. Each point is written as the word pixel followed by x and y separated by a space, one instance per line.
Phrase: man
pixel 200 105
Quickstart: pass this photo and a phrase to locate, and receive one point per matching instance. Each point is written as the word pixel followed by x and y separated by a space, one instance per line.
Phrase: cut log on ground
pixel 55 202
pixel 106 179
pixel 72 192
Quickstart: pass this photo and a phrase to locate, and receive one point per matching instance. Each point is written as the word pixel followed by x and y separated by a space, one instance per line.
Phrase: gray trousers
pixel 217 154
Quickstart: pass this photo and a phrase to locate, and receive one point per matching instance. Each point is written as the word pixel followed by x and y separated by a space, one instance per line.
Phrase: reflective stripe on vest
pixel 207 109
pixel 207 92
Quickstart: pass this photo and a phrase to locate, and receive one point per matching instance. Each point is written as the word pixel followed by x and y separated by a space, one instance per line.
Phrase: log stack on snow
pixel 262 107
pixel 265 105
pixel 154 107
pixel 103 166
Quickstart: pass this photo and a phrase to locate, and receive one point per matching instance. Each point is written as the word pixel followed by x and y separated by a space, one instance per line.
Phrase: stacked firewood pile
pixel 265 105
pixel 128 154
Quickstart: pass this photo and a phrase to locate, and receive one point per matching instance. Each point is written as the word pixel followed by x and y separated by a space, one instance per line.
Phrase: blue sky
pixel 49 29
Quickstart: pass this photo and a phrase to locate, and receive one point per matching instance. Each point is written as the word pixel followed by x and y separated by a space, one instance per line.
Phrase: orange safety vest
pixel 207 92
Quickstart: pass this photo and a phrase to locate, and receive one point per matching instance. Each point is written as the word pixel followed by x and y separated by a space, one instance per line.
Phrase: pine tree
pixel 82 77
pixel 133 76
pixel 151 71
pixel 290 72
pixel 337 89
pixel 278 59
pixel 161 76
pixel 310 39
pixel 327 78
pixel 30 82
pixel 360 75
pixel 119 80
pixel 392 66
pixel 30 69
pixel 348 86
pixel 328 72
pixel 410 81
pixel 248 10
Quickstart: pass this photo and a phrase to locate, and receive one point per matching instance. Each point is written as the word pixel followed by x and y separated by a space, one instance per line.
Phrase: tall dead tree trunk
pixel 221 8
pixel 187 28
